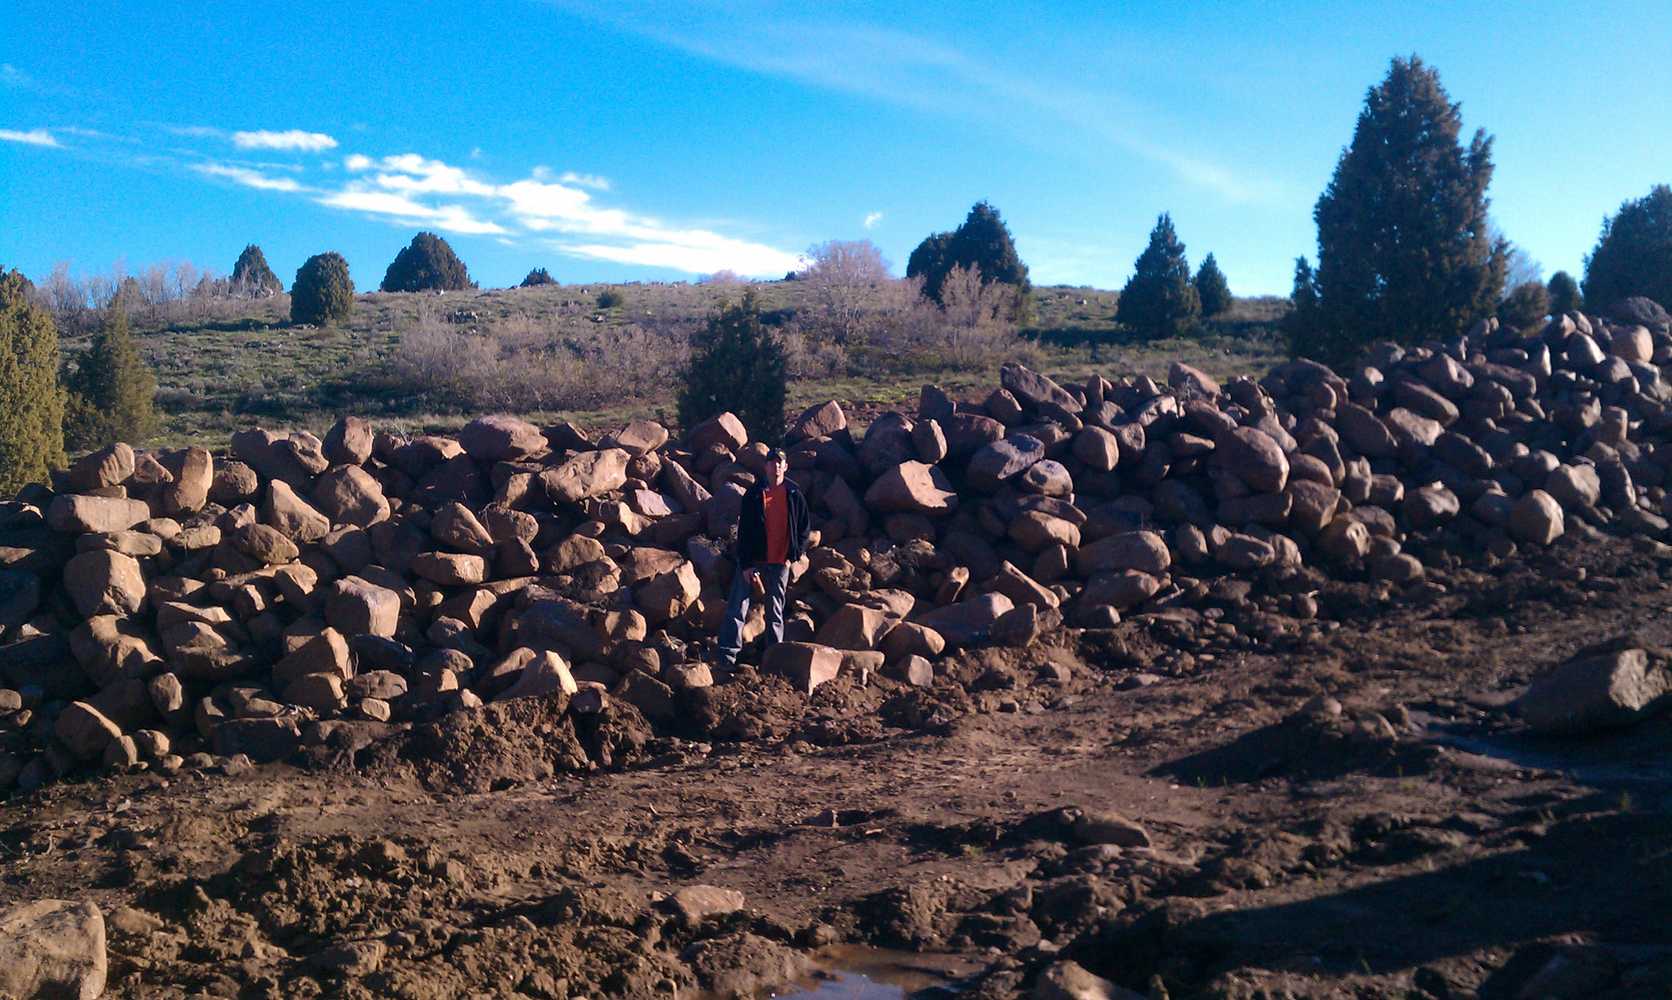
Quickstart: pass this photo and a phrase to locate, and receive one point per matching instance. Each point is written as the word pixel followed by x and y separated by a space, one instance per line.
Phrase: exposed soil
pixel 1403 839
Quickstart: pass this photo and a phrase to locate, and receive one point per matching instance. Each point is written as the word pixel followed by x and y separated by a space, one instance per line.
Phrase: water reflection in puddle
pixel 856 973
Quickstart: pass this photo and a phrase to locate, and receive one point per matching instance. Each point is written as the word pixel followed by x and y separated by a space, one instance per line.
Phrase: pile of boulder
pixel 158 606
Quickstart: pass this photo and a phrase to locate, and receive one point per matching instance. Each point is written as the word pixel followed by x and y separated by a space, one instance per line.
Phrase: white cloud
pixel 412 174
pixel 195 131
pixel 294 139
pixel 405 211
pixel 11 76
pixel 593 181
pixel 33 137
pixel 357 162
pixel 247 177
pixel 871 219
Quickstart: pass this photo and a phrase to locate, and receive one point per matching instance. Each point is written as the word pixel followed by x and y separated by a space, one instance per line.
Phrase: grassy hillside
pixel 428 362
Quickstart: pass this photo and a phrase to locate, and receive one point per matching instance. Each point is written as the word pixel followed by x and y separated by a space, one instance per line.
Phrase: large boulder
pixel 194 474
pixel 588 474
pixel 1254 457
pixel 1003 460
pixel 360 607
pixel 818 420
pixel 1035 389
pixel 349 441
pixel 912 488
pixel 1144 551
pixel 1593 692
pixel 805 665
pixel 109 466
pixel 501 438
pixel 52 948
pixel 104 582
pixel 295 518
pixel 350 495
pixel 77 514
pixel 1536 518
pixel 967 623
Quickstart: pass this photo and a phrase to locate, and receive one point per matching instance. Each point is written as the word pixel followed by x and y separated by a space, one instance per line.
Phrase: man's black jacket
pixel 751 525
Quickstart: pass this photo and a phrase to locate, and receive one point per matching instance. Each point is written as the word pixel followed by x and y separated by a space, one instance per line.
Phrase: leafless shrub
pixel 847 280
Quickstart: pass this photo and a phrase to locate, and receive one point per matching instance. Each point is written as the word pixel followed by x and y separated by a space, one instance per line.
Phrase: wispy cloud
pixel 247 177
pixel 871 219
pixel 33 137
pixel 293 139
pixel 11 76
pixel 908 70
pixel 558 207
pixel 592 181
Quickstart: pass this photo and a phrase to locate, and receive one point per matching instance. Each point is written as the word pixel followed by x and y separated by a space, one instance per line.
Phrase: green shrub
pixel 611 298
pixel 112 391
pixel 536 277
pixel 251 276
pixel 737 364
pixel 1212 289
pixel 1159 300
pixel 1404 251
pixel 1525 306
pixel 1633 256
pixel 1564 294
pixel 426 264
pixel 1301 324
pixel 31 402
pixel 322 292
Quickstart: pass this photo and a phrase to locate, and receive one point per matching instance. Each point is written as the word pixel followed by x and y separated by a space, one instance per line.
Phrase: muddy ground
pixel 1413 844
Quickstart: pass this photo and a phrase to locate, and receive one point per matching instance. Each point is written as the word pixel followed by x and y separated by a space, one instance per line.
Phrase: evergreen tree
pixel 538 276
pixel 737 364
pixel 983 241
pixel 322 291
pixel 31 402
pixel 1212 289
pixel 1525 306
pixel 251 276
pixel 1633 256
pixel 112 392
pixel 1404 251
pixel 1159 300
pixel 1564 294
pixel 426 263
pixel 1301 323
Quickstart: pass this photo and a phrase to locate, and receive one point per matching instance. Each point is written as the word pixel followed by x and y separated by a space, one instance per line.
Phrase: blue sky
pixel 624 140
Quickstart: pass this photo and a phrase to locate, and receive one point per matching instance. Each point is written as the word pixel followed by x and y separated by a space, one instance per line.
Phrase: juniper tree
pixel 1564 294
pixel 737 364
pixel 31 402
pixel 426 263
pixel 983 241
pixel 1633 256
pixel 1212 289
pixel 112 391
pixel 1525 306
pixel 251 276
pixel 1159 300
pixel 323 291
pixel 1404 251
pixel 538 276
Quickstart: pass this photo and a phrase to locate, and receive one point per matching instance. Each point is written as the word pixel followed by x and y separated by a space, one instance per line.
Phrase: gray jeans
pixel 775 581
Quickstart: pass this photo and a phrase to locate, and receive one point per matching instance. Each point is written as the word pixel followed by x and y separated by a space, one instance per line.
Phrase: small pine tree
pixel 1301 324
pixel 1212 289
pixel 1525 306
pixel 31 402
pixel 251 276
pixel 1564 294
pixel 737 364
pixel 1404 248
pixel 1633 256
pixel 425 264
pixel 536 277
pixel 982 242
pixel 611 298
pixel 1159 300
pixel 323 291
pixel 112 391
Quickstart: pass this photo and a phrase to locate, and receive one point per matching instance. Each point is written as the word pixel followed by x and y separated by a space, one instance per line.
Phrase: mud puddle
pixel 851 972
pixel 1600 765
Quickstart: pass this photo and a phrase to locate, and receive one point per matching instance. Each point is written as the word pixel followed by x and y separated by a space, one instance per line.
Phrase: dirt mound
pixel 507 743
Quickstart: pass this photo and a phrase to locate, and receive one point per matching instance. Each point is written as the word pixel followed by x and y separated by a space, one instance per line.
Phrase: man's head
pixel 776 463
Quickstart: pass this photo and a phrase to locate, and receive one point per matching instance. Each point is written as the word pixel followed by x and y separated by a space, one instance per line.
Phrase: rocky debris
pixel 693 904
pixel 52 948
pixel 1071 981
pixel 248 592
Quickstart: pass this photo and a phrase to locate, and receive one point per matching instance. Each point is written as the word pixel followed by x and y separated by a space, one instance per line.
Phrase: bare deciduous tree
pixel 846 278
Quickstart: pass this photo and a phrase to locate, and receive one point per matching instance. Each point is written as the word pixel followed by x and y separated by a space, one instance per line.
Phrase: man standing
pixel 772 530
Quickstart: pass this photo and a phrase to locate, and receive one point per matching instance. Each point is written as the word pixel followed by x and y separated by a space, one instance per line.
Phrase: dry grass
pixel 429 362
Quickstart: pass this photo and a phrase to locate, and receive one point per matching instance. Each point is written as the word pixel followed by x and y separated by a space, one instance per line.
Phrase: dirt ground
pixel 1399 837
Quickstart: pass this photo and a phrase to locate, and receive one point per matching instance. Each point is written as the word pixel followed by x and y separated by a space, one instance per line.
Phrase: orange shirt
pixel 776 501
